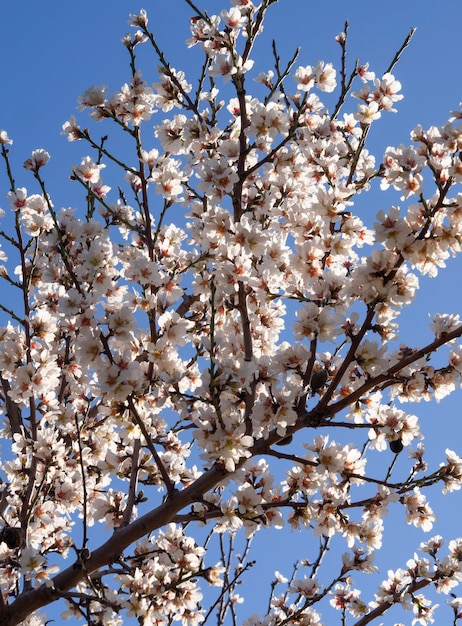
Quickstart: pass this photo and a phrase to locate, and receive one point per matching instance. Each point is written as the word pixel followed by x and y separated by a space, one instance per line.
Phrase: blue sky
pixel 51 51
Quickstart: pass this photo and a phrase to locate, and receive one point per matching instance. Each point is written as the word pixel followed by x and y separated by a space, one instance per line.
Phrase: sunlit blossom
pixel 182 344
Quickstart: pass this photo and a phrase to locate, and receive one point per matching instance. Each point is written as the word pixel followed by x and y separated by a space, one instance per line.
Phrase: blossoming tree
pixel 214 348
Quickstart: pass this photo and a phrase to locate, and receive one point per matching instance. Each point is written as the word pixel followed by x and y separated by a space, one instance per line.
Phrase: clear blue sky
pixel 51 51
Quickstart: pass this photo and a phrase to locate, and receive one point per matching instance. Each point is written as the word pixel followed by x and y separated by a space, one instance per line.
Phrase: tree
pixel 168 352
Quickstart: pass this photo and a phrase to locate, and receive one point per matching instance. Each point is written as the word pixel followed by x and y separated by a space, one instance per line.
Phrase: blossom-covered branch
pixel 181 353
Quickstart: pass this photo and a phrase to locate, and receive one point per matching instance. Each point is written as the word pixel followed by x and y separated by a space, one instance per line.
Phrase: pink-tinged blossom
pixel 217 177
pixel 306 587
pixel 223 66
pixel 168 179
pixel 396 583
pixel 4 139
pixel 171 135
pixel 364 73
pixel 418 512
pixel 386 92
pixel 234 19
pixel 32 562
pixel 313 321
pixel 451 472
pixel 391 424
pixel 305 78
pixel 346 598
pixel 443 324
pixel 139 19
pixel 134 181
pixel 35 216
pixel 18 198
pixel 368 113
pixel 38 159
pixel 169 92
pixel 150 158
pixel 204 32
pixel 360 559
pixel 265 78
pixel 72 129
pixel 423 609
pixel 174 328
pixel 324 75
pixel 94 96
pixel 88 171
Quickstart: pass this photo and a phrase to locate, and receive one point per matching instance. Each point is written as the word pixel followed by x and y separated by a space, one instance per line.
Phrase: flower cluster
pixel 182 350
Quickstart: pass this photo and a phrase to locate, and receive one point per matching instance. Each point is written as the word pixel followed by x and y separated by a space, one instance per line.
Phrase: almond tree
pixel 172 341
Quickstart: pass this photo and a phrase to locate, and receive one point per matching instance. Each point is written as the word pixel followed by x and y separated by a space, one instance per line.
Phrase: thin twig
pixel 160 466
pixel 131 499
pixel 397 56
